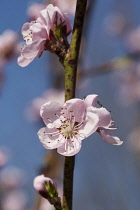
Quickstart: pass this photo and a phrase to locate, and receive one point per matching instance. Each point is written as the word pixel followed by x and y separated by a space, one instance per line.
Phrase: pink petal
pixel 29 52
pixel 91 100
pixel 104 116
pixel 76 107
pixel 39 182
pixel 39 32
pixel 48 140
pixel 22 61
pixel 26 28
pixel 90 125
pixel 70 148
pixel 110 139
pixel 46 16
pixel 32 50
pixel 50 111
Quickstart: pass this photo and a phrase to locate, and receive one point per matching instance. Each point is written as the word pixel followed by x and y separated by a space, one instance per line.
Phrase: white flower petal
pixel 32 50
pixel 104 116
pixel 91 100
pixel 50 141
pixel 110 139
pixel 70 148
pixel 75 107
pixel 90 125
pixel 50 111
pixel 22 61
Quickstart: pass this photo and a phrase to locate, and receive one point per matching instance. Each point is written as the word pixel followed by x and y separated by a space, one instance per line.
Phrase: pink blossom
pixel 8 45
pixel 34 9
pixel 68 125
pixel 33 112
pixel 37 34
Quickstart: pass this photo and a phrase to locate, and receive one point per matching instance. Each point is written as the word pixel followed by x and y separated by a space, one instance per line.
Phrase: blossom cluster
pixel 67 125
pixel 48 32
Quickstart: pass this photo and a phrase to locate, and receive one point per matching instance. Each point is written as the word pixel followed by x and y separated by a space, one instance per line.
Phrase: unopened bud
pixel 46 187
pixel 40 183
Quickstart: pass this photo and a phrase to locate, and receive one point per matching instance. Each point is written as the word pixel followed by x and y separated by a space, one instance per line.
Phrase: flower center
pixel 28 38
pixel 68 132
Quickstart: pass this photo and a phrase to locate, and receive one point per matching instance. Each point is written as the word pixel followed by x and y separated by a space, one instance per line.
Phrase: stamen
pixel 49 120
pixel 79 125
pixel 57 115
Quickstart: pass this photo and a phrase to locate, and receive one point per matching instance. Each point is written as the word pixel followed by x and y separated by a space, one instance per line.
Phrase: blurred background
pixel 106 177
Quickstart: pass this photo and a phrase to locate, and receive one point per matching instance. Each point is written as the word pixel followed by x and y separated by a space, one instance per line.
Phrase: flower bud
pixel 46 187
pixel 40 183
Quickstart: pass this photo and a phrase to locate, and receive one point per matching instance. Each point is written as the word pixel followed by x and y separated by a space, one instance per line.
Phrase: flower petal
pixel 50 141
pixel 26 28
pixel 91 100
pixel 76 107
pixel 70 148
pixel 29 52
pixel 32 50
pixel 90 125
pixel 110 139
pixel 104 116
pixel 22 61
pixel 38 32
pixel 50 111
pixel 51 14
pixel 46 16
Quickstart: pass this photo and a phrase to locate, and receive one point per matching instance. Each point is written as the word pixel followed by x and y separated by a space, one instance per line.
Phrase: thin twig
pixel 70 65
pixel 120 63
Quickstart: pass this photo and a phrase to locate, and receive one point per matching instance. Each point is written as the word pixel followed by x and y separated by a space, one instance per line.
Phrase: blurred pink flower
pixel 115 24
pixel 12 178
pixel 129 85
pixel 67 6
pixel 15 200
pixel 134 140
pixel 67 125
pixel 8 45
pixel 33 111
pixel 132 40
pixel 33 11
pixel 38 33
